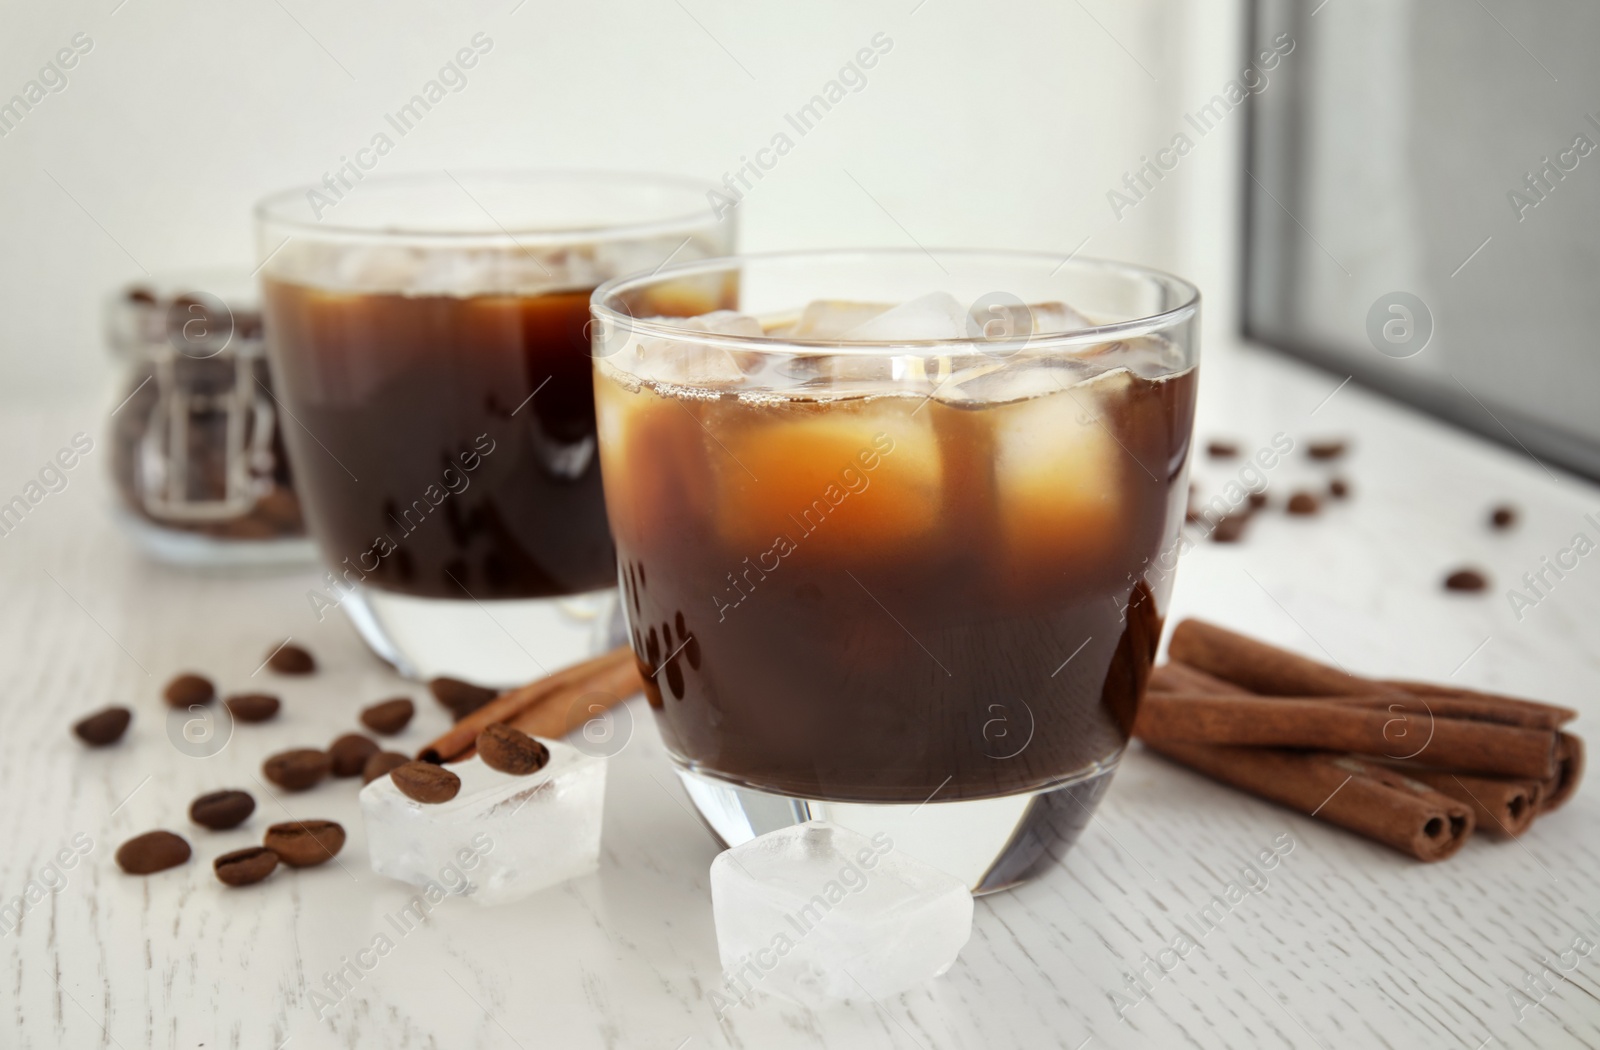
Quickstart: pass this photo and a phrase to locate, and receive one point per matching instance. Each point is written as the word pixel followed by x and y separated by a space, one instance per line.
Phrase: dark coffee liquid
pixel 444 446
pixel 880 599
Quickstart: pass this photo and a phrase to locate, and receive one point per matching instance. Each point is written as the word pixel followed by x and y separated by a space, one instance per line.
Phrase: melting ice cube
pixel 505 836
pixel 936 315
pixel 819 913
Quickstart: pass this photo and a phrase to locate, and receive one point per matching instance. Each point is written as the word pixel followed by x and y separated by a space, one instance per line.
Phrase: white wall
pixel 991 125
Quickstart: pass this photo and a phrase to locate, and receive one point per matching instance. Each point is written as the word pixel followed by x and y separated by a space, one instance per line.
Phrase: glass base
pixel 198 550
pixel 491 643
pixel 991 844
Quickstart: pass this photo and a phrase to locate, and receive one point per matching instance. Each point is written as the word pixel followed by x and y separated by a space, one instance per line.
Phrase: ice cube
pixel 1014 379
pixel 936 315
pixel 721 322
pixel 1053 318
pixel 1060 478
pixel 501 838
pixel 831 319
pixel 847 480
pixel 819 913
pixel 690 364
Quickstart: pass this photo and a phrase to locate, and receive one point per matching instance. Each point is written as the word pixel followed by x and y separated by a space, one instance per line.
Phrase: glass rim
pixel 274 208
pixel 601 309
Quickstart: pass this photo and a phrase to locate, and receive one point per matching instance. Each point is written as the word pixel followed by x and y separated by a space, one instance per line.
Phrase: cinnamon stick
pixel 617 668
pixel 1177 677
pixel 1269 670
pixel 1569 770
pixel 1264 721
pixel 1501 807
pixel 573 705
pixel 1360 796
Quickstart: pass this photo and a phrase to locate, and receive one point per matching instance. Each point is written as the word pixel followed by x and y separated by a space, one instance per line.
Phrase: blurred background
pixel 1376 151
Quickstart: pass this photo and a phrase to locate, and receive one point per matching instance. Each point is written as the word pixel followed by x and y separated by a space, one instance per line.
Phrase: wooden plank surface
pixel 1341 943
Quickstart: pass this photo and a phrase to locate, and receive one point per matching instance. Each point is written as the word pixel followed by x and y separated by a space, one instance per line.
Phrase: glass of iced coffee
pixel 896 533
pixel 429 342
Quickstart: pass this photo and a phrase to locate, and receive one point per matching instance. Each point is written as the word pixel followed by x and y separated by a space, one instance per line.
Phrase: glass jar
pixel 197 452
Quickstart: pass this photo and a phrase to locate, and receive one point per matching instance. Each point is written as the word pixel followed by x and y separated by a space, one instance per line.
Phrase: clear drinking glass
pixel 902 569
pixel 428 337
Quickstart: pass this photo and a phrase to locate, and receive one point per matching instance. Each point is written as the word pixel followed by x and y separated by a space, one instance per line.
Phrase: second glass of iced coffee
pixel 896 533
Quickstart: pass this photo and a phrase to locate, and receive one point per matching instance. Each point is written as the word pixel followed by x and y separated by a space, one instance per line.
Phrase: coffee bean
pixel 426 782
pixel 381 763
pixel 151 852
pixel 1466 580
pixel 298 769
pixel 1258 500
pixel 291 659
pixel 187 690
pixel 462 698
pixel 244 866
pixel 1303 503
pixel 1325 449
pixel 103 727
pixel 305 843
pixel 1338 488
pixel 1222 450
pixel 349 754
pixel 388 717
pixel 252 707
pixel 1503 517
pixel 221 810
pixel 510 750
pixel 1230 529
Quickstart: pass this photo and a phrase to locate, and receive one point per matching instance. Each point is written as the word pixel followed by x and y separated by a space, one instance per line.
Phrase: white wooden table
pixel 1348 944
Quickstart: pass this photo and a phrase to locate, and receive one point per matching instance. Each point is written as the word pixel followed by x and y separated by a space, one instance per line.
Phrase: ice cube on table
pixel 818 913
pixel 936 315
pixel 502 837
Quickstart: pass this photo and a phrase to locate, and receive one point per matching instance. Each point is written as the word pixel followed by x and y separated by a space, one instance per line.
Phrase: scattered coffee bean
pixel 1503 517
pixel 186 690
pixel 245 866
pixel 510 750
pixel 299 769
pixel 252 707
pixel 349 754
pixel 1258 500
pixel 388 717
pixel 151 852
pixel 1338 488
pixel 1222 449
pixel 380 764
pixel 426 782
pixel 462 698
pixel 291 659
pixel 305 843
pixel 1325 449
pixel 1303 503
pixel 1466 580
pixel 1229 529
pixel 103 727
pixel 222 810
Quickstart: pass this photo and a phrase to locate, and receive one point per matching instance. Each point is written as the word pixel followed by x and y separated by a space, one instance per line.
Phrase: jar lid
pixel 198 314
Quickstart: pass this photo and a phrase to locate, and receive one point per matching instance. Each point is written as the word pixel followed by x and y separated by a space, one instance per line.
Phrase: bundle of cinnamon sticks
pixel 551 707
pixel 1410 764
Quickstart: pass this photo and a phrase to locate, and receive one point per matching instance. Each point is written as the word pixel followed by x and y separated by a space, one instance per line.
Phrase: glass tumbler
pixel 428 337
pixel 896 533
